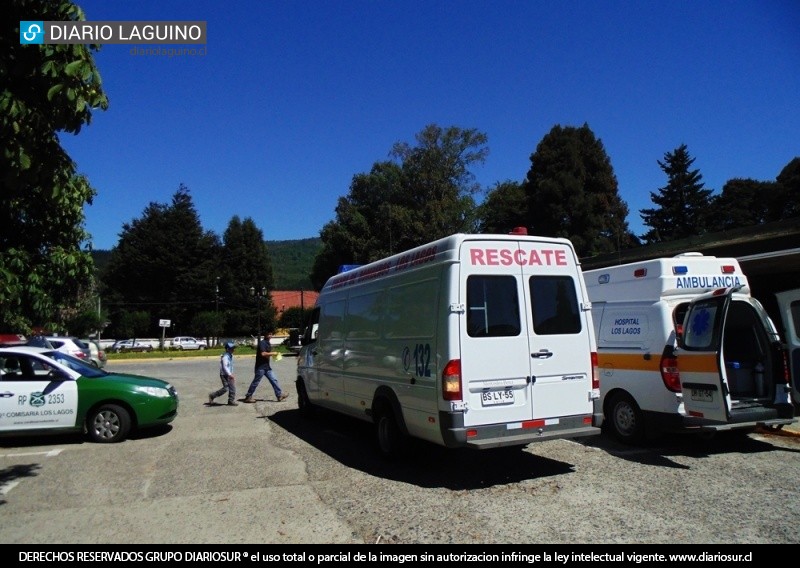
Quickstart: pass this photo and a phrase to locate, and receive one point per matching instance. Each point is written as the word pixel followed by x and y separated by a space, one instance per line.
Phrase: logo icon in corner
pixel 31 32
pixel 37 399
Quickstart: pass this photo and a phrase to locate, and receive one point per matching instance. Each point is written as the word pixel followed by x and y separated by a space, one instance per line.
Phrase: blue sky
pixel 293 99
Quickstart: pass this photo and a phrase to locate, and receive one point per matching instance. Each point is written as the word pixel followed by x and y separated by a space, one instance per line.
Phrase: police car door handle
pixel 542 354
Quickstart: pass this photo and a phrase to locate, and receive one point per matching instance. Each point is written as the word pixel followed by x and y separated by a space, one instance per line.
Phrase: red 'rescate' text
pixel 507 257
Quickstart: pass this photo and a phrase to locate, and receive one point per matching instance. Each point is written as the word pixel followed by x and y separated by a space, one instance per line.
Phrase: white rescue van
pixel 476 341
pixel 683 346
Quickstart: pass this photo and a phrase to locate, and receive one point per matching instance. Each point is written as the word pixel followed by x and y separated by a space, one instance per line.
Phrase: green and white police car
pixel 46 391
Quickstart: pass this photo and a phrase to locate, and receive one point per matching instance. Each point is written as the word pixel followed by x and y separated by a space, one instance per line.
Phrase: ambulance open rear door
pixel 789 305
pixel 702 370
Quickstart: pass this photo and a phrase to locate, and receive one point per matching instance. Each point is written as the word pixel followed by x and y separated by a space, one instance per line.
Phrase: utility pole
pixel 259 295
pixel 216 296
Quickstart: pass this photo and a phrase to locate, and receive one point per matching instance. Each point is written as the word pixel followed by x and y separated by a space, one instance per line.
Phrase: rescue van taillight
pixel 451 380
pixel 669 370
pixel 595 372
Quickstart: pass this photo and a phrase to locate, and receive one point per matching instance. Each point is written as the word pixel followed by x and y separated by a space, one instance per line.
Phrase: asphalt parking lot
pixel 259 473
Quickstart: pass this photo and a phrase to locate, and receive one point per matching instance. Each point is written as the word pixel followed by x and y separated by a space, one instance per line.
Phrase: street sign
pixel 164 323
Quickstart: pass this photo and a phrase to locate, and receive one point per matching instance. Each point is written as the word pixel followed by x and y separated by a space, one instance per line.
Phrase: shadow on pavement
pixel 352 443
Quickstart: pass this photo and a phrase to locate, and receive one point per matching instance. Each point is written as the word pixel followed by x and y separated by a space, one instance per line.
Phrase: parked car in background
pixel 55 392
pixel 98 355
pixel 130 345
pixel 66 344
pixel 293 342
pixel 186 343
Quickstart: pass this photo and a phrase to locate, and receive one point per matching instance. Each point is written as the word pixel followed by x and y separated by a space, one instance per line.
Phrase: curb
pixel 787 431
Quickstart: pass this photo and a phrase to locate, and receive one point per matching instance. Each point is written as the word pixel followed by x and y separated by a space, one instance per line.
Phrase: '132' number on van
pixel 422 359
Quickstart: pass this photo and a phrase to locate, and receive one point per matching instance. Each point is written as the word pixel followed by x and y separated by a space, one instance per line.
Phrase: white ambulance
pixel 683 346
pixel 475 341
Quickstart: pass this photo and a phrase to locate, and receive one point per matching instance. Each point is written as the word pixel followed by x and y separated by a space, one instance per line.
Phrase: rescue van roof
pixel 447 250
pixel 683 274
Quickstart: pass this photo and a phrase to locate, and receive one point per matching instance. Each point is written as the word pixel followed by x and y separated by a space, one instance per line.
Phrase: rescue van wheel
pixel 391 441
pixel 625 419
pixel 108 424
pixel 303 402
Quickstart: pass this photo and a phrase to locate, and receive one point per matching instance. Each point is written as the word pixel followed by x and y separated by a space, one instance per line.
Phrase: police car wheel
pixel 625 419
pixel 108 424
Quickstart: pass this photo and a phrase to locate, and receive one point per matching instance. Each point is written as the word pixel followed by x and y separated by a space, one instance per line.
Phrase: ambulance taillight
pixel 451 380
pixel 595 372
pixel 670 374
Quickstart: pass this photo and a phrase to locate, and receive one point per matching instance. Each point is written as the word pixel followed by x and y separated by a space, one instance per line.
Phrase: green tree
pixel 786 203
pixel 133 324
pixel 742 203
pixel 294 317
pixel 505 207
pixel 572 192
pixel 245 273
pixel 85 323
pixel 683 204
pixel 165 264
pixel 208 324
pixel 425 194
pixel 45 90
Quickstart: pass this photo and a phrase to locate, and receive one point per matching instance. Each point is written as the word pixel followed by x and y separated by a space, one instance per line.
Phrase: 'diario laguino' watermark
pixel 109 32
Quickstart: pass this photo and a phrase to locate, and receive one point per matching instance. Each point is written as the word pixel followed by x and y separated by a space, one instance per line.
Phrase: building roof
pixel 285 299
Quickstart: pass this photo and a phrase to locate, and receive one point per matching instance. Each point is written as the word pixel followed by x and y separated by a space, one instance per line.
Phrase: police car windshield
pixel 76 364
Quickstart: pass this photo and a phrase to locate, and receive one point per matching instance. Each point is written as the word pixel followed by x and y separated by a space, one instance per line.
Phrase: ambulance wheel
pixel 625 419
pixel 108 424
pixel 391 440
pixel 303 402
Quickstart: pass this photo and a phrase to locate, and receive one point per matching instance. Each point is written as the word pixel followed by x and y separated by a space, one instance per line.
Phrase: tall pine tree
pixel 572 192
pixel 683 204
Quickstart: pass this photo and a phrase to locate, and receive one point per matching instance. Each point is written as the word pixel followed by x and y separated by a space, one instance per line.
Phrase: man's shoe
pixel 284 396
pixel 211 398
pixel 249 400
pixel 233 404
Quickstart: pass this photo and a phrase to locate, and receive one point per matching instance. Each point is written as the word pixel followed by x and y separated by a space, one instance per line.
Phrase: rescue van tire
pixel 303 402
pixel 391 440
pixel 624 419
pixel 108 424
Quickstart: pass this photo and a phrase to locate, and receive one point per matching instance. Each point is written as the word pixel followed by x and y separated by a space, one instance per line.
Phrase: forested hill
pixel 291 262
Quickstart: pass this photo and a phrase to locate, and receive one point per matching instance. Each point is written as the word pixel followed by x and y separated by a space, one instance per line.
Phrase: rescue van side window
pixel 554 305
pixel 364 315
pixel 411 310
pixel 331 321
pixel 492 306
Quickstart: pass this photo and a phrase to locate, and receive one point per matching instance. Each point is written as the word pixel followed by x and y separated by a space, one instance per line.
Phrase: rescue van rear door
pixel 511 372
pixel 702 373
pixel 559 331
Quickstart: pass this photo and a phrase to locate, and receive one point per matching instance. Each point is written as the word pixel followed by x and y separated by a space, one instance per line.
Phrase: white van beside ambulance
pixel 683 346
pixel 475 341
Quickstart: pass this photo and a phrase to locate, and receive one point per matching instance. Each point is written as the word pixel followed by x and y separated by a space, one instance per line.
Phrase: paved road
pixel 260 474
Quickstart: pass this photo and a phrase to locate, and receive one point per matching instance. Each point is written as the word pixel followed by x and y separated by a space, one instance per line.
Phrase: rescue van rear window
pixel 555 305
pixel 492 306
